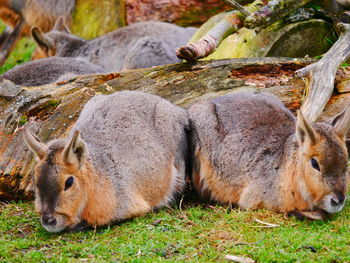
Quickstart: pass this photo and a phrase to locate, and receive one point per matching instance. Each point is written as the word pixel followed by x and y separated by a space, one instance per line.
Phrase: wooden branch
pixel 207 44
pixel 321 75
pixel 273 11
pixel 210 41
pixel 52 110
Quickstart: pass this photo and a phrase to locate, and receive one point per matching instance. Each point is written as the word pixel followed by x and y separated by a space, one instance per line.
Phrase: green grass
pixel 21 53
pixel 198 233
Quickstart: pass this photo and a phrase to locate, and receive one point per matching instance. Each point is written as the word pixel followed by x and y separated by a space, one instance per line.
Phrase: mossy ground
pixel 196 233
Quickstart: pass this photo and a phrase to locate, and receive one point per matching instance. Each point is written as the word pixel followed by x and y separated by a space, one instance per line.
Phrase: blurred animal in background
pixel 250 151
pixel 129 158
pixel 49 70
pixel 139 45
pixel 21 15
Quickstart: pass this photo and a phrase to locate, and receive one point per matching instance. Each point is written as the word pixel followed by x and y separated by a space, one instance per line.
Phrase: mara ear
pixel 341 123
pixel 43 42
pixel 61 26
pixel 75 152
pixel 35 144
pixel 305 133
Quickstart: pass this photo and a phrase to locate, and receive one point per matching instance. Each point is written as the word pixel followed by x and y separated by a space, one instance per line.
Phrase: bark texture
pixel 320 76
pixel 181 12
pixel 52 110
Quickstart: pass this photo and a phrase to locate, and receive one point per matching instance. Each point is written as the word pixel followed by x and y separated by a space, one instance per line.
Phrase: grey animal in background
pixel 129 159
pixel 250 151
pixel 49 70
pixel 139 45
pixel 22 15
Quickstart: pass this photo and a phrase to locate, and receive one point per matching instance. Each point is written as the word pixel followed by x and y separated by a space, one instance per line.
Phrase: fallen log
pixel 52 110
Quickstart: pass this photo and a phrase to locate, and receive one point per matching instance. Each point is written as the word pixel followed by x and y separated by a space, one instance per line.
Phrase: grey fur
pixel 131 135
pixel 250 140
pixel 49 70
pixel 139 45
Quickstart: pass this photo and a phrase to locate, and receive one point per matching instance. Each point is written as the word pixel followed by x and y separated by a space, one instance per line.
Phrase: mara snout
pixel 249 150
pixel 126 156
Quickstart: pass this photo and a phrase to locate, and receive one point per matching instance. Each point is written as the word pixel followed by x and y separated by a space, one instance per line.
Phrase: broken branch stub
pixel 207 44
pixel 321 75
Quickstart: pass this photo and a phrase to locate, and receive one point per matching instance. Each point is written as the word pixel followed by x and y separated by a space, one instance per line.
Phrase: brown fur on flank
pixel 129 159
pixel 252 152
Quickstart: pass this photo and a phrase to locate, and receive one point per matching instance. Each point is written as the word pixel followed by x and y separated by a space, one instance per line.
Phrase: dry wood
pixel 207 44
pixel 320 76
pixel 52 110
pixel 265 224
pixel 239 259
pixel 210 41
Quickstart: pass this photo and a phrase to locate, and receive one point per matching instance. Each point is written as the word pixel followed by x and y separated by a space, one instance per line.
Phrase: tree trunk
pixel 181 12
pixel 95 18
pixel 52 110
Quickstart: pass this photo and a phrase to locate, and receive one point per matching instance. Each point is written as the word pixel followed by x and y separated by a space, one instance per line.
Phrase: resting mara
pixel 49 70
pixel 139 45
pixel 126 157
pixel 250 151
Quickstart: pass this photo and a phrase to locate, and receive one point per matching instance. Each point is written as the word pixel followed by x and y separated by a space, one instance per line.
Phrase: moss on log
pixel 52 110
pixel 278 40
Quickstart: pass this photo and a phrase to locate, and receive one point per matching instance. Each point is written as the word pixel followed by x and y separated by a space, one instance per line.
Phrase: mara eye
pixel 69 183
pixel 315 164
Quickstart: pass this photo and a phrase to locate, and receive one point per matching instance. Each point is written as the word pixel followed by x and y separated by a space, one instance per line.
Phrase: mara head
pixel 323 180
pixel 60 194
pixel 57 42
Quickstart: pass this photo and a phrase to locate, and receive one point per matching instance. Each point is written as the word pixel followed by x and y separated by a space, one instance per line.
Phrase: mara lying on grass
pixel 129 159
pixel 250 151
pixel 140 45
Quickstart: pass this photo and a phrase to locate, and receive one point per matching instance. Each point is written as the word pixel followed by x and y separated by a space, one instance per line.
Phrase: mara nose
pixel 49 219
pixel 338 200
